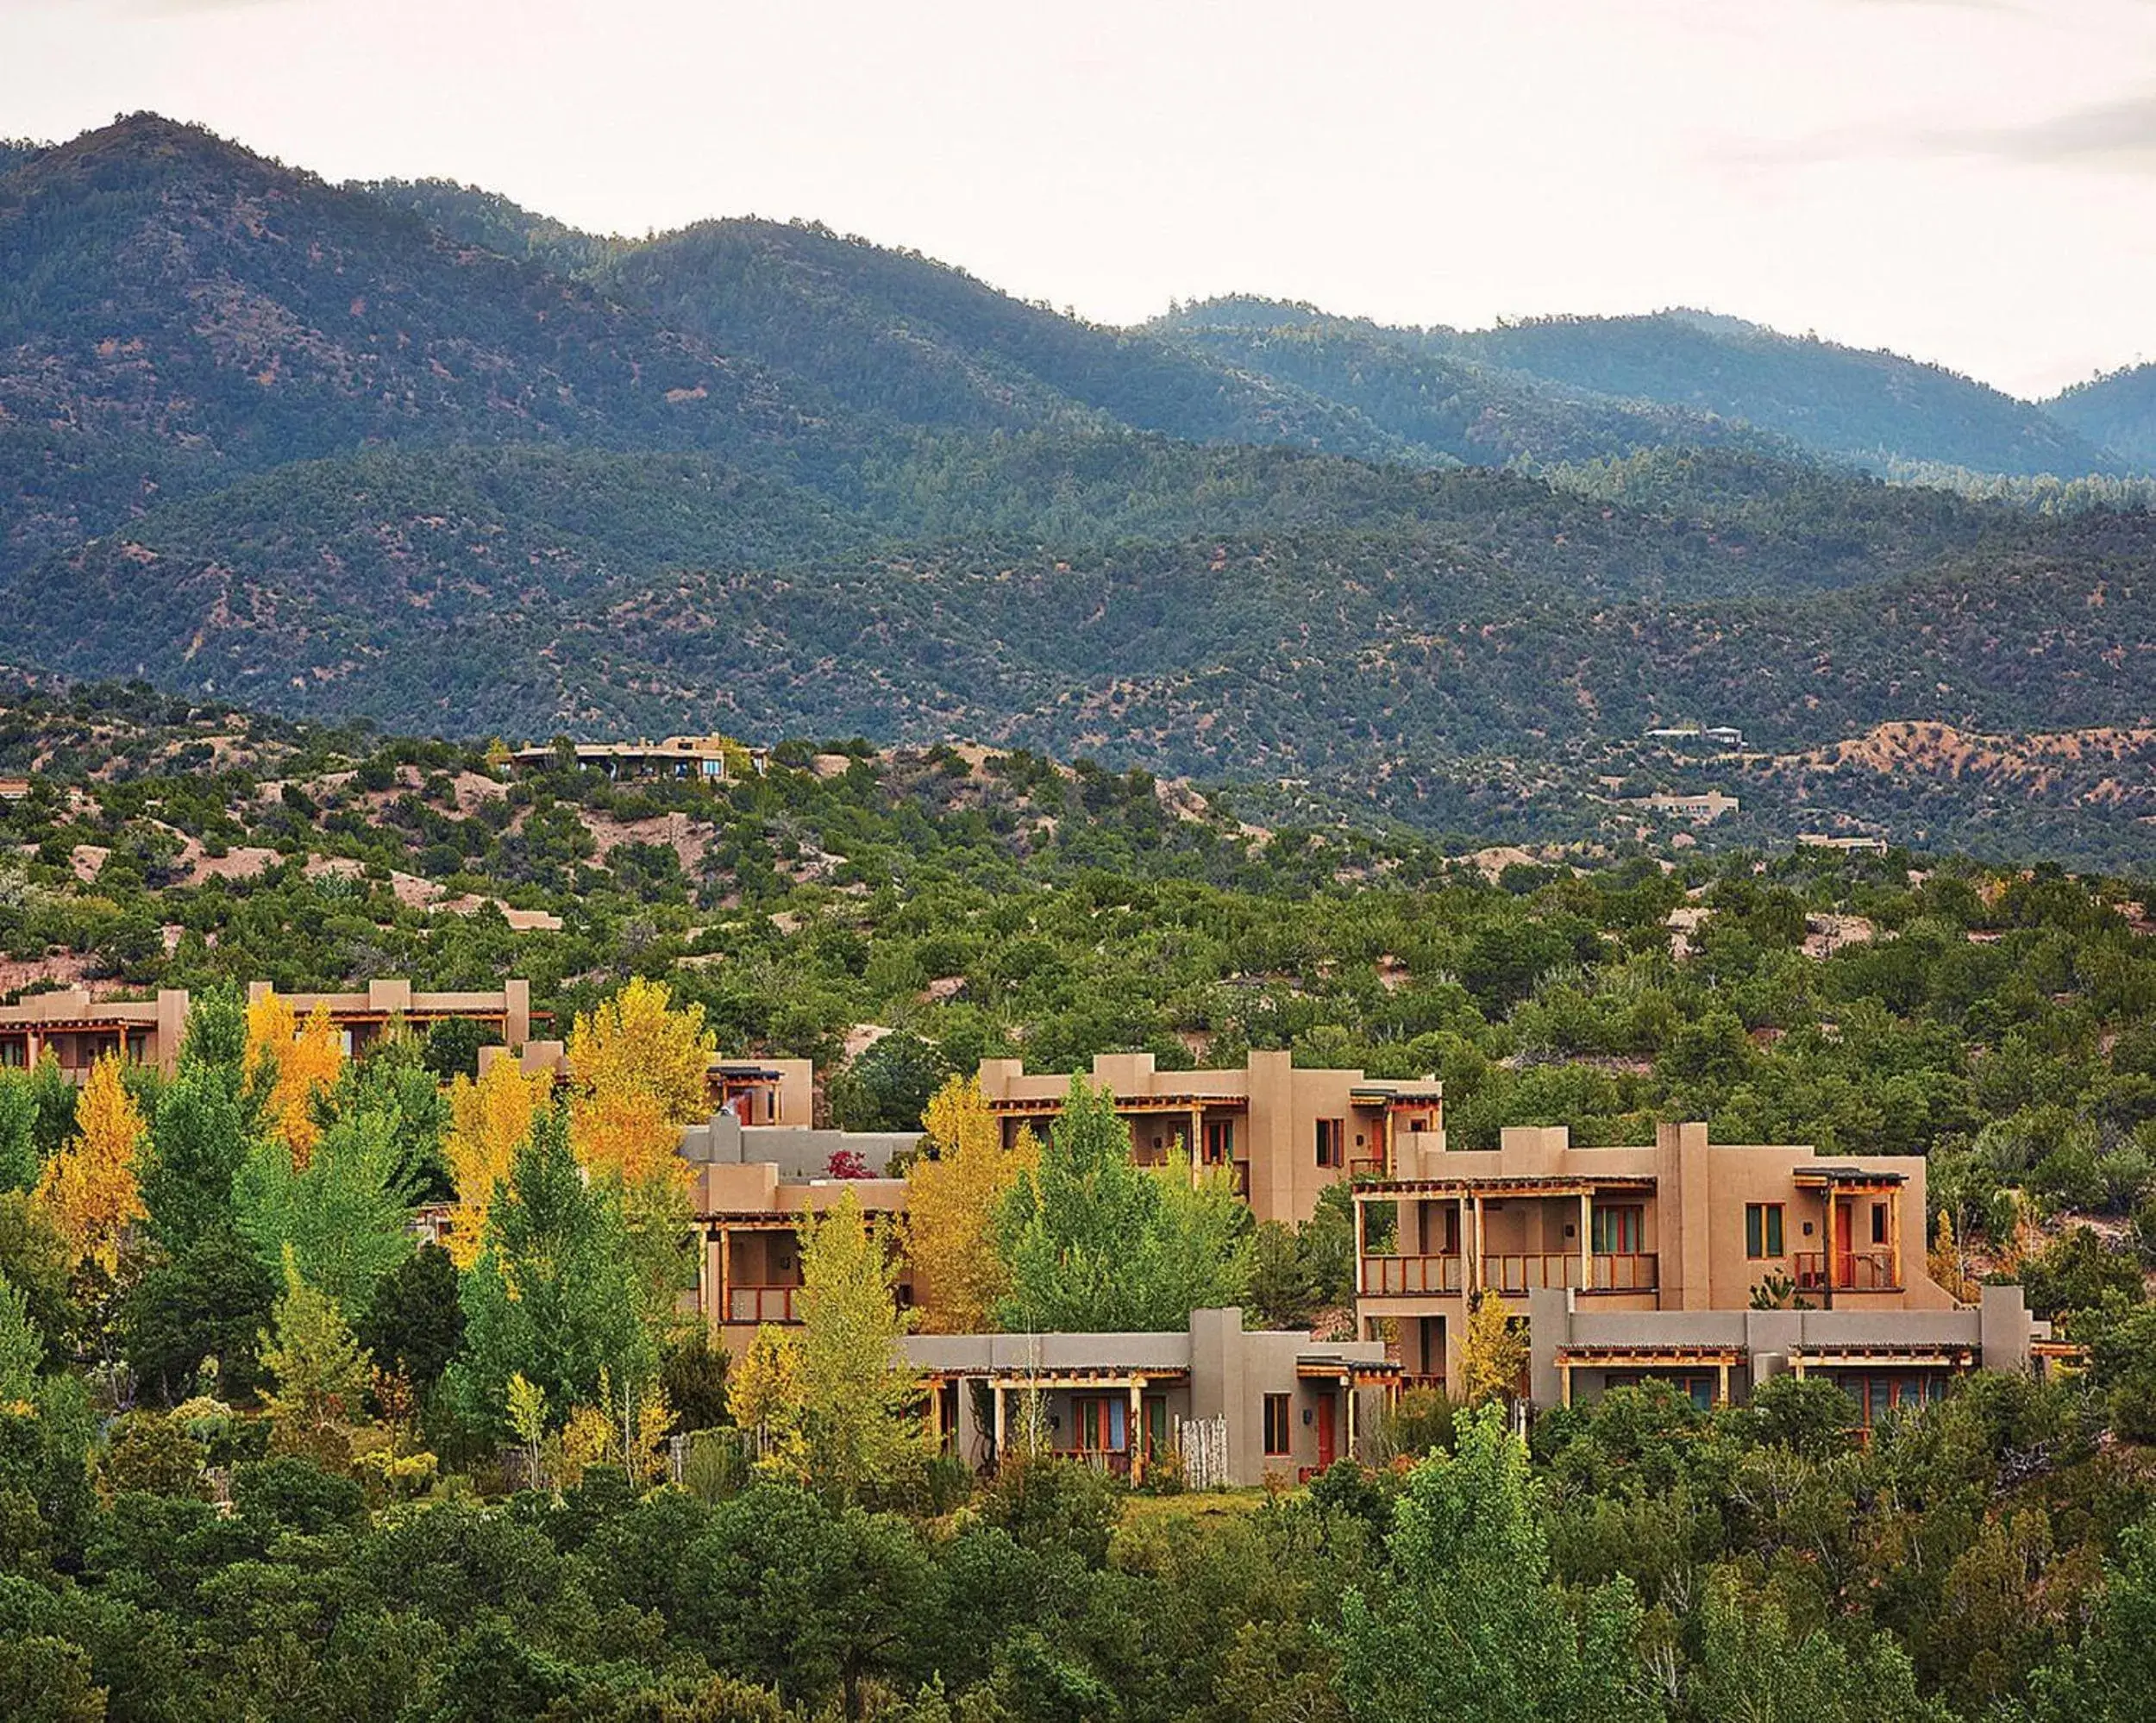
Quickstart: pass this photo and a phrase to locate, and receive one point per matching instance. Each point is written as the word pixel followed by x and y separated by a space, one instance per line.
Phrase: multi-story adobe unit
pixel 363 1017
pixel 754 1187
pixel 77 1030
pixel 1648 1260
pixel 1285 1133
pixel 1282 1402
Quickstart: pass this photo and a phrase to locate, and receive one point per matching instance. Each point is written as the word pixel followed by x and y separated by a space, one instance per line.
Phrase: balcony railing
pixel 760 1304
pixel 1538 1270
pixel 1406 1276
pixel 1854 1271
pixel 1513 1274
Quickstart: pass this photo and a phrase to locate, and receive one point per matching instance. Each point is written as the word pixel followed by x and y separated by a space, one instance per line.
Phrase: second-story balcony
pixel 1513 1274
pixel 1870 1270
pixel 760 1304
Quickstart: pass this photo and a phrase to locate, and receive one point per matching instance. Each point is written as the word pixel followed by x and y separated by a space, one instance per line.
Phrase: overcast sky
pixel 1970 181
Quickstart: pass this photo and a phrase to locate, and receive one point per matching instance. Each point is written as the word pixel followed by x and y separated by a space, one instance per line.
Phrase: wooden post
pixel 1196 1150
pixel 1134 1437
pixel 1564 1383
pixel 1586 1241
pixel 1478 1242
pixel 1894 1234
pixel 1470 1270
pixel 1721 1392
pixel 725 1276
pixel 936 1412
pixel 995 1397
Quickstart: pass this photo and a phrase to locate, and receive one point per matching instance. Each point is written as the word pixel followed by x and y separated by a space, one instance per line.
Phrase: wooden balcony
pixel 1410 1276
pixel 1866 1270
pixel 1512 1276
pixel 760 1305
pixel 1516 1275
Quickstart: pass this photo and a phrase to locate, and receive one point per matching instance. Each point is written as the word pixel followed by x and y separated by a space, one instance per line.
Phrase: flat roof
pixel 1577 1185
pixel 1168 1103
pixel 1846 1176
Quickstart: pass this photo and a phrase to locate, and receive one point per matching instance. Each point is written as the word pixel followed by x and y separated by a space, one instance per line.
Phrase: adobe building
pixel 1285 1133
pixel 77 1029
pixel 701 758
pixel 1286 1405
pixel 1647 1260
pixel 754 1187
pixel 362 1018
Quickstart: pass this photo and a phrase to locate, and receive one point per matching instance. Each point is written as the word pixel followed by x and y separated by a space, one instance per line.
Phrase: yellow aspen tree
pixel 88 1193
pixel 860 1400
pixel 1492 1353
pixel 953 1189
pixel 489 1121
pixel 627 1135
pixel 766 1396
pixel 298 1060
pixel 1949 1268
pixel 636 1044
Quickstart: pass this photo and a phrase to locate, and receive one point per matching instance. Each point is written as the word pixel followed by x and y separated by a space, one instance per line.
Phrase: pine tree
pixel 89 1192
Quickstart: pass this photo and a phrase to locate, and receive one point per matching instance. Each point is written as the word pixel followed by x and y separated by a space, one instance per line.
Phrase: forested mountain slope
pixel 2118 411
pixel 1835 402
pixel 175 311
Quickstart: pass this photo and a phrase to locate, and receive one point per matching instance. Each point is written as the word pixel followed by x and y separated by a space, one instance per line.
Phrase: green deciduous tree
pixel 1471 1626
pixel 1095 1242
pixel 319 1370
pixel 553 1293
pixel 342 1215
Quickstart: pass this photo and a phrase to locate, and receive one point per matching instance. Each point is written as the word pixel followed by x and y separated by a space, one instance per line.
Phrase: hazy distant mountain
pixel 1833 401
pixel 2118 411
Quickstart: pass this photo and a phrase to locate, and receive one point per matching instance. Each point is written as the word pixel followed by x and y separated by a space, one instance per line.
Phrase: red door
pixel 1325 1432
pixel 1845 1251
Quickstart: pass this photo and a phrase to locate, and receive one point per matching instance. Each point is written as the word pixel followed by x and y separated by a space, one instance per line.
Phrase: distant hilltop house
pixel 1701 808
pixel 1711 735
pixel 678 757
pixel 1860 844
pixel 14 789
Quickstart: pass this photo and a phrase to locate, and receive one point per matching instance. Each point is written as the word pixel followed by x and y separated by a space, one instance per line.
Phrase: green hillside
pixel 2118 411
pixel 1834 402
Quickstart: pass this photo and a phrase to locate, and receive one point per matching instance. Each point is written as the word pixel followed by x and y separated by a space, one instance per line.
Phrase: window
pixel 1100 1423
pixel 1332 1141
pixel 1277 1440
pixel 1219 1141
pixel 1763 1229
pixel 1878 1223
pixel 1618 1230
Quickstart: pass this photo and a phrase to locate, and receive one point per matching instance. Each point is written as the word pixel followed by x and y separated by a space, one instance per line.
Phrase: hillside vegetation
pixel 414 454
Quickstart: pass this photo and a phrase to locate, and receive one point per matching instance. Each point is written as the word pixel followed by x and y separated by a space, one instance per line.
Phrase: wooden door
pixel 1844 1250
pixel 1326 1404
